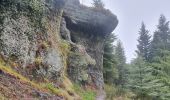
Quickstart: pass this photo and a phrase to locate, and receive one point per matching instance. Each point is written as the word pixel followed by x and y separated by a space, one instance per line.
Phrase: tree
pixel 151 79
pixel 139 71
pixel 144 43
pixel 161 38
pixel 121 62
pixel 159 81
pixel 98 4
pixel 109 62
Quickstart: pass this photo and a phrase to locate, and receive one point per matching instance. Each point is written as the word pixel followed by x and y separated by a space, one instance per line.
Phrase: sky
pixel 130 14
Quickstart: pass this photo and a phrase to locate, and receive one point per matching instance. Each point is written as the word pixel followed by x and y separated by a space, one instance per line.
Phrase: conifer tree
pixel 121 63
pixel 139 71
pixel 144 43
pixel 150 80
pixel 158 82
pixel 161 38
pixel 109 62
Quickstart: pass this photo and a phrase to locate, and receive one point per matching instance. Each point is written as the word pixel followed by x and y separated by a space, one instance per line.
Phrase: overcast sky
pixel 130 14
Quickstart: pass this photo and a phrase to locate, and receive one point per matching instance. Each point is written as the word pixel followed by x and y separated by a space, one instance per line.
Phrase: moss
pixel 64 47
pixel 59 91
pixel 10 71
pixel 38 61
pixel 51 88
pixel 45 45
pixel 2 97
pixel 45 87
pixel 79 59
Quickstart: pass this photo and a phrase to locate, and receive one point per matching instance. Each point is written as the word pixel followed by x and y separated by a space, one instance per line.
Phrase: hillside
pixel 50 48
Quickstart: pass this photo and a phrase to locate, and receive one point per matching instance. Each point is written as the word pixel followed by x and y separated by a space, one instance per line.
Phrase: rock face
pixel 88 27
pixel 29 32
pixel 45 37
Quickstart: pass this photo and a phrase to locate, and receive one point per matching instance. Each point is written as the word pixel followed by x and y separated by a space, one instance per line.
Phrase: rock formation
pixel 46 38
pixel 88 27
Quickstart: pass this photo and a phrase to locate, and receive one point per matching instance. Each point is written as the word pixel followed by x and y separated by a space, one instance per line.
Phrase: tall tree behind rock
pixel 144 43
pixel 161 38
pixel 109 62
pixel 121 63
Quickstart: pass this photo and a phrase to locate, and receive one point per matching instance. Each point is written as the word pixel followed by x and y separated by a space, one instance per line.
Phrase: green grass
pixel 85 94
pixel 51 88
pixel 45 87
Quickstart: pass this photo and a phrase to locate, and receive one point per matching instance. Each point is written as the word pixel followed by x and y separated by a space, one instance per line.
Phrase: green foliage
pixel 109 62
pixel 150 80
pixel 85 94
pixel 159 84
pixel 160 80
pixel 144 43
pixel 161 38
pixel 121 64
pixel 138 72
pixel 51 87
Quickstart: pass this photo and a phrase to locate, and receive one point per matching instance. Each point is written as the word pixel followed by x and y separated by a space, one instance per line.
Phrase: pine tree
pixel 144 43
pixel 139 71
pixel 109 62
pixel 150 80
pixel 161 38
pixel 159 80
pixel 121 63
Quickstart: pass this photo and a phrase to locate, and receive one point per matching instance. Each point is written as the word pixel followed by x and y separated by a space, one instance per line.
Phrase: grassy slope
pixel 16 79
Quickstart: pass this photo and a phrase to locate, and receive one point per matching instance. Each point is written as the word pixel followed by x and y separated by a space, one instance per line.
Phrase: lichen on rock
pixel 25 34
pixel 78 63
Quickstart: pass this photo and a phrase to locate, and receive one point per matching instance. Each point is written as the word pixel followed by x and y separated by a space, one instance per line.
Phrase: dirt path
pixel 101 96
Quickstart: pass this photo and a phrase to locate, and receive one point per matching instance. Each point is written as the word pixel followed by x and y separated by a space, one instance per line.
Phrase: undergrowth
pixel 117 93
pixel 87 94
